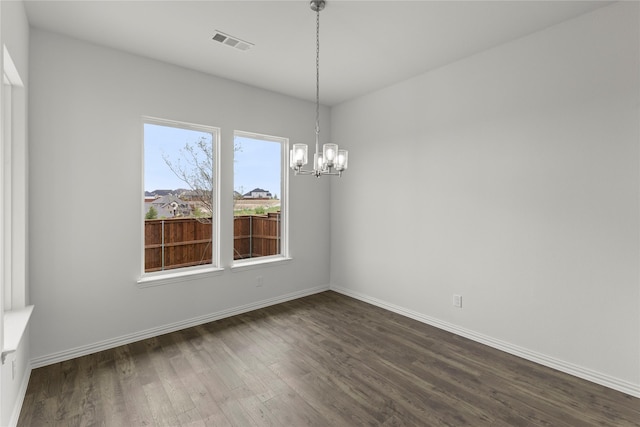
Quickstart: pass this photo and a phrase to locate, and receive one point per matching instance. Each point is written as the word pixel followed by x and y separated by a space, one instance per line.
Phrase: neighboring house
pixel 158 193
pixel 257 193
pixel 169 206
pixel 194 195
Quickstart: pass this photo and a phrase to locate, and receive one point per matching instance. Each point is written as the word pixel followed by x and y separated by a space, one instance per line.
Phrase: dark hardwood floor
pixel 323 360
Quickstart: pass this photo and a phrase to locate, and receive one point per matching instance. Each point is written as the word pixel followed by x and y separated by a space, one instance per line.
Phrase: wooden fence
pixel 256 235
pixel 184 242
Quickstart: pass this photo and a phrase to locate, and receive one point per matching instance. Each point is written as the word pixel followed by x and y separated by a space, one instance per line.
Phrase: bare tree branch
pixel 195 168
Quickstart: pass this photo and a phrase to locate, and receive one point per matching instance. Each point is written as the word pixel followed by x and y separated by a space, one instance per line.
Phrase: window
pixel 260 197
pixel 14 313
pixel 5 191
pixel 13 187
pixel 180 192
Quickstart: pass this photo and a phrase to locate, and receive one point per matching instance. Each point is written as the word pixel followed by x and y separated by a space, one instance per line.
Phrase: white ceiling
pixel 364 45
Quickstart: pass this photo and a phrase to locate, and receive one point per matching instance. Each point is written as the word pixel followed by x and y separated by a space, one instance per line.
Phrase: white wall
pixel 86 105
pixel 15 37
pixel 510 178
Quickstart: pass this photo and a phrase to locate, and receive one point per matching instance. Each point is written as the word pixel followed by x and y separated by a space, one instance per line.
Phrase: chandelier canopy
pixel 332 160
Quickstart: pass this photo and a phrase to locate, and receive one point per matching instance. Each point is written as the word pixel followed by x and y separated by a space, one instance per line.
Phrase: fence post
pixel 250 236
pixel 162 251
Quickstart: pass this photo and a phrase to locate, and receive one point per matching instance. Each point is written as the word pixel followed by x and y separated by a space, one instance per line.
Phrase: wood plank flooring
pixel 323 360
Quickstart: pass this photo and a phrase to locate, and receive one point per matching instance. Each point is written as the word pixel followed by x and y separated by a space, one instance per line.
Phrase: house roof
pixel 256 190
pixel 169 198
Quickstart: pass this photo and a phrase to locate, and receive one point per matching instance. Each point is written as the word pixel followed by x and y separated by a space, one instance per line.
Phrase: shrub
pixel 152 213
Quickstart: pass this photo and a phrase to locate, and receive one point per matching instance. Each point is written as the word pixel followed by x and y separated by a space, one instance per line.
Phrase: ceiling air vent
pixel 231 41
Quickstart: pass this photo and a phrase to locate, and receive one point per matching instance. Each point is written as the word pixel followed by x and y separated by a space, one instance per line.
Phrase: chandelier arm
pixel 304 172
pixel 318 172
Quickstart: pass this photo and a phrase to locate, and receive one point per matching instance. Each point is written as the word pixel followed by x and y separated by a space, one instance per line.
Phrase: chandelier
pixel 331 161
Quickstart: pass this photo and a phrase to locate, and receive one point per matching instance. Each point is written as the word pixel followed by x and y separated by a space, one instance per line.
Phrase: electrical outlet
pixel 259 281
pixel 457 301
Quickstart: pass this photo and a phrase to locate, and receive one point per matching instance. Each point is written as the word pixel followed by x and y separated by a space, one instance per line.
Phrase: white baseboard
pixel 15 415
pixel 542 359
pixel 154 332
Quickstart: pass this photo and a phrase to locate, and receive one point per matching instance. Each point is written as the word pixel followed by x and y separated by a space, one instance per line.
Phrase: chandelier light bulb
pixel 341 161
pixel 319 162
pixel 329 152
pixel 299 154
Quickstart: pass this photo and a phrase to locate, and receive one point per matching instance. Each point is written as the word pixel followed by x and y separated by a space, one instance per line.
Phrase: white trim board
pixel 542 359
pixel 22 393
pixel 165 329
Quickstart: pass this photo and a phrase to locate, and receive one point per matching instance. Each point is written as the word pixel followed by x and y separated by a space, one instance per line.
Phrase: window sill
pixel 15 323
pixel 164 278
pixel 259 263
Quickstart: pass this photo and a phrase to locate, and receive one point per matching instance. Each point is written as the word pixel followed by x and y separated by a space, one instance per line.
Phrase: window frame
pixel 6 193
pixel 181 274
pixel 14 312
pixel 284 255
pixel 13 221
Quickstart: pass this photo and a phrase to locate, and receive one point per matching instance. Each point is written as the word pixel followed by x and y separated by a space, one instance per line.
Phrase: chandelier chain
pixel 317 73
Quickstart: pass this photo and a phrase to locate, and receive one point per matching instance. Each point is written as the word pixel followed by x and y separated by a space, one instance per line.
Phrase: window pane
pixel 257 228
pixel 179 195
